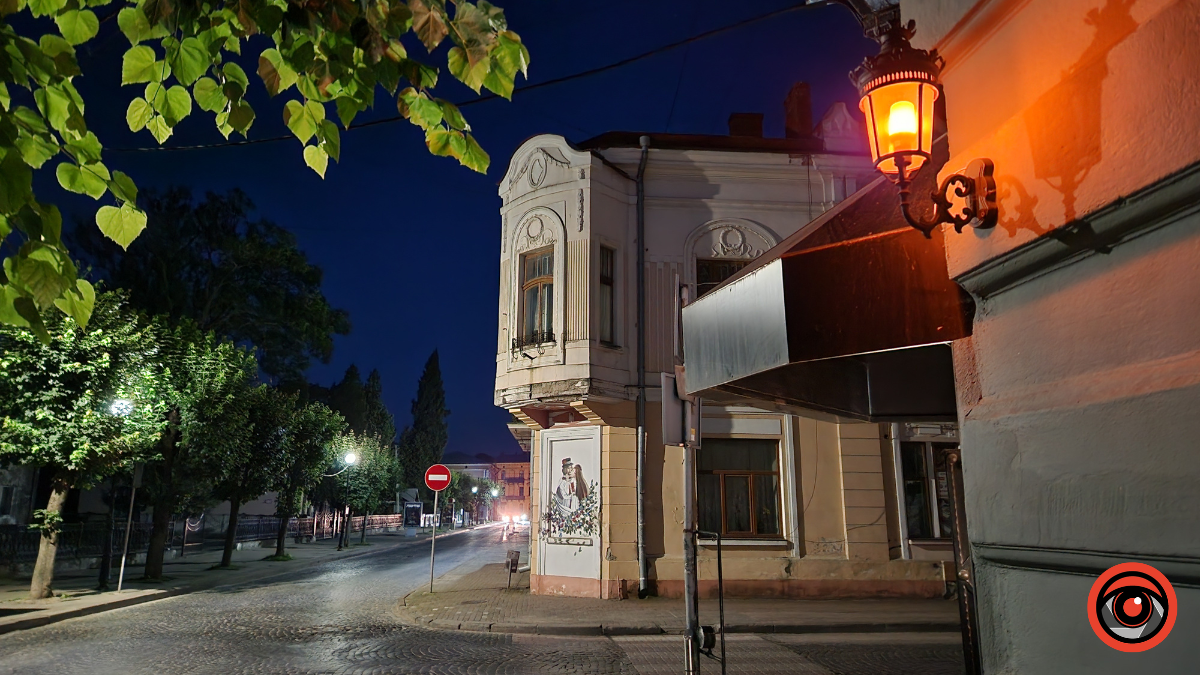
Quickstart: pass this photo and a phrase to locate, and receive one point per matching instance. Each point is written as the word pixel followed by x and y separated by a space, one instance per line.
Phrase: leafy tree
pixel 470 493
pixel 81 406
pixel 243 278
pixel 254 462
pixel 422 444
pixel 368 482
pixel 310 435
pixel 202 383
pixel 314 54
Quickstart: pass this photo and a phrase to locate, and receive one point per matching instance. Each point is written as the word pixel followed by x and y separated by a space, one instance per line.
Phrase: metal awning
pixel 850 316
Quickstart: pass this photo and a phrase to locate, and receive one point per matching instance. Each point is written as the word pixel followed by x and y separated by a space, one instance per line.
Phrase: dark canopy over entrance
pixel 850 316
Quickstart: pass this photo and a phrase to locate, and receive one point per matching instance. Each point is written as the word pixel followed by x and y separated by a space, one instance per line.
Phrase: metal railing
pixel 532 339
pixel 19 544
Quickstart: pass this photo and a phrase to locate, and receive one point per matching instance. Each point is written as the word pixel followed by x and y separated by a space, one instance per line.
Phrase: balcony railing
pixel 537 337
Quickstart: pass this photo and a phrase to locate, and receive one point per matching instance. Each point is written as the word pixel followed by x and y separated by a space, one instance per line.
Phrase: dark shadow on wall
pixel 1065 123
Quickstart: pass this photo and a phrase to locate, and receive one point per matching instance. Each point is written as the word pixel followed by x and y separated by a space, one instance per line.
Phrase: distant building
pixel 512 472
pixel 475 467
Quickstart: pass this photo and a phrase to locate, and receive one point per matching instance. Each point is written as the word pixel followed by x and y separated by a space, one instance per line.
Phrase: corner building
pixel 807 505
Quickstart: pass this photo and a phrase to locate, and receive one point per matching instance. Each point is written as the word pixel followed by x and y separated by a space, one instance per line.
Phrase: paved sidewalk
pixel 478 600
pixel 75 593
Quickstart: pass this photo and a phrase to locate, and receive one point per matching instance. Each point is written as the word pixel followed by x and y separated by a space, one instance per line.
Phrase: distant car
pixel 507 519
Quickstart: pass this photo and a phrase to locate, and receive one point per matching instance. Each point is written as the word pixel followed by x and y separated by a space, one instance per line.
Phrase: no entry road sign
pixel 437 477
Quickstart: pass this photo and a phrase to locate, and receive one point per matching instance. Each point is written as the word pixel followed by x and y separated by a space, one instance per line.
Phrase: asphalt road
pixel 337 618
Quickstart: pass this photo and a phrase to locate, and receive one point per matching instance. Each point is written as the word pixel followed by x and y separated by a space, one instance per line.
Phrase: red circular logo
pixel 437 477
pixel 1132 607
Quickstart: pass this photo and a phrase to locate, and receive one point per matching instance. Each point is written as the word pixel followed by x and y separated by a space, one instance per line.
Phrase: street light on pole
pixel 350 459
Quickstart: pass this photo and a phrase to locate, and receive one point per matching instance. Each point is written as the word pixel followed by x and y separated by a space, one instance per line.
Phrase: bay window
pixel 537 298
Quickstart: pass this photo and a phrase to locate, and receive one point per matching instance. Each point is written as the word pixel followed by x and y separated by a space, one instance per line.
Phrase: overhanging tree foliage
pixel 180 54
pixel 244 278
pixel 82 406
pixel 368 483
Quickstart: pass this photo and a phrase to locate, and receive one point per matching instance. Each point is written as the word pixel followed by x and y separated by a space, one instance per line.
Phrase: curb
pixel 654 629
pixel 36 621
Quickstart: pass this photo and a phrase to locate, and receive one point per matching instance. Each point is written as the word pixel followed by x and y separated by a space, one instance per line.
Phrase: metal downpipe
pixel 643 567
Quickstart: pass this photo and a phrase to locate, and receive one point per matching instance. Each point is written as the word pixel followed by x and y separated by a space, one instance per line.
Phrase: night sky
pixel 409 243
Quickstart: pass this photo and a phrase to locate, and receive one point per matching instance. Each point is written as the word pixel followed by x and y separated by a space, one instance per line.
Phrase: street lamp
pixel 899 88
pixel 121 407
pixel 350 459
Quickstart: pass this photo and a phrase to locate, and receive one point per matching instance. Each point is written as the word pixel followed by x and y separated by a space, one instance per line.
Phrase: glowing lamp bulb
pixel 351 458
pixel 495 493
pixel 902 126
pixel 121 407
pixel 474 489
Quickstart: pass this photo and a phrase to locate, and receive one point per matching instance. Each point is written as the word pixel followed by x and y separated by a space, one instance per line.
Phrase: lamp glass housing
pixel 899 114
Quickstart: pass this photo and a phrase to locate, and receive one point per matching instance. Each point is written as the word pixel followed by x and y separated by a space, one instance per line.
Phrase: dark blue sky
pixel 410 243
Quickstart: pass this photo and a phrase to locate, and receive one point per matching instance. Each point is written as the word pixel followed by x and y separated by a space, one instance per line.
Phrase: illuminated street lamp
pixel 899 89
pixel 121 407
pixel 350 459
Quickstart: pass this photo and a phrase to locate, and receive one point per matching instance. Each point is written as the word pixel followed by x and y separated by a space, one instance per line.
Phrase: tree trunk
pixel 158 539
pixel 366 514
pixel 43 570
pixel 281 537
pixel 235 503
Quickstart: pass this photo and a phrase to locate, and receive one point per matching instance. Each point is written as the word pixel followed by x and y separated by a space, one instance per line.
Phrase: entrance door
pixel 569 515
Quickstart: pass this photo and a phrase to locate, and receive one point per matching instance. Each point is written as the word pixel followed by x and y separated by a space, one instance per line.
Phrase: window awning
pixel 850 316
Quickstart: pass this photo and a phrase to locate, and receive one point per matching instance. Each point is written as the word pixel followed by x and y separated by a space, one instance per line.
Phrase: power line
pixel 488 97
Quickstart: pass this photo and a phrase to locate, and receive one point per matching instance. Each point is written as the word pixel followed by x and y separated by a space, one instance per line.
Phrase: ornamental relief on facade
pixel 734 242
pixel 542 165
pixel 734 238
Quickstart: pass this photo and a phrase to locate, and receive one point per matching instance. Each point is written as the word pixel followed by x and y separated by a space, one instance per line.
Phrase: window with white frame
pixel 925 483
pixel 608 298
pixel 537 298
pixel 737 486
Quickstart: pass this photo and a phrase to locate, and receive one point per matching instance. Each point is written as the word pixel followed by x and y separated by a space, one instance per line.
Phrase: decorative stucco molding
pixel 725 238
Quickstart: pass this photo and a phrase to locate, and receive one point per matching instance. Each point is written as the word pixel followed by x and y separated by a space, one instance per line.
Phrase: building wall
pixel 1078 388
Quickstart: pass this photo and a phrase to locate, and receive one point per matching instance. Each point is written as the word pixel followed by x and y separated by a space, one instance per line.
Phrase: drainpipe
pixel 643 567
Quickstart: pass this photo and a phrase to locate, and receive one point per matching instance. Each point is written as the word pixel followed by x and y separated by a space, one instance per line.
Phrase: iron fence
pixel 19 544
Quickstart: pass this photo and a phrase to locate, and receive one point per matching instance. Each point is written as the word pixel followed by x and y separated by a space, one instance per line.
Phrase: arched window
pixel 537 297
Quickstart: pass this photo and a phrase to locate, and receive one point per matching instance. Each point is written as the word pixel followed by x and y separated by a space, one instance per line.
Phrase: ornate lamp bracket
pixel 973 202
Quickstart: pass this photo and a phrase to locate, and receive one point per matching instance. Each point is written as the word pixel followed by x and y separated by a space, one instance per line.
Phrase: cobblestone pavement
pixel 340 618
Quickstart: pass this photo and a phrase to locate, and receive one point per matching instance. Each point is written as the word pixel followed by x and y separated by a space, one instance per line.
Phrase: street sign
pixel 437 477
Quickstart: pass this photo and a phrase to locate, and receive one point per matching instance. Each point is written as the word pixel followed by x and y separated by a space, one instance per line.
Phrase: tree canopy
pixel 243 278
pixel 327 59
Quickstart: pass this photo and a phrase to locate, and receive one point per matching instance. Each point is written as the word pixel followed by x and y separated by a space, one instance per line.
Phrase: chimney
pixel 746 124
pixel 797 109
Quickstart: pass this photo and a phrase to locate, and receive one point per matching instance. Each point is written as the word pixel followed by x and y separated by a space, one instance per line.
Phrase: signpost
pixel 514 559
pixel 437 478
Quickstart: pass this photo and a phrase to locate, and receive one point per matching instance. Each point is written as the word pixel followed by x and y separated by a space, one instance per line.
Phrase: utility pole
pixel 691 442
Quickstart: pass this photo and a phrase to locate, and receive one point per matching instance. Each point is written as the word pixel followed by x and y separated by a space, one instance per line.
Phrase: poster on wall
pixel 570 508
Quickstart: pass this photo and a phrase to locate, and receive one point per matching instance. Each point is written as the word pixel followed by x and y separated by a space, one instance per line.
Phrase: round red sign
pixel 437 477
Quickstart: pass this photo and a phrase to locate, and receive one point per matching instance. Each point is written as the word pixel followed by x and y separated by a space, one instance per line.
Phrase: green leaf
pixel 438 141
pixel 5 99
pixel 460 67
pixel 178 104
pixel 428 23
pixel 78 303
pixel 138 114
pixel 134 25
pixel 16 183
pixel 88 180
pixel 316 159
pixel 8 313
pixel 474 156
pixel 296 117
pixel 331 141
pixel 122 225
pixel 36 150
pixel 41 273
pixel 498 84
pixel 46 7
pixel 138 65
pixel 58 108
pixel 418 109
pixel 123 188
pixel 86 148
pixel 156 95
pixel 276 74
pixel 452 115
pixel 241 116
pixel 234 72
pixel 29 311
pixel 78 25
pixel 191 60
pixel 159 127
pixel 208 95
pixel 347 108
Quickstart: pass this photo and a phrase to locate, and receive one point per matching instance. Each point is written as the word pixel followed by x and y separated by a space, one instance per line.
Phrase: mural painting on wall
pixel 574 514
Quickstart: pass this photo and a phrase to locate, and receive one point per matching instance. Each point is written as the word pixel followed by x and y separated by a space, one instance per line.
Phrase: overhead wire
pixel 489 97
